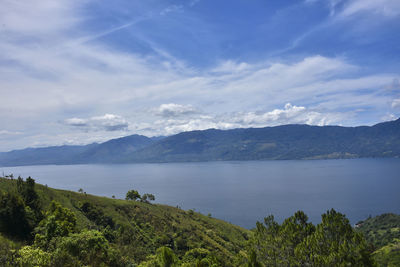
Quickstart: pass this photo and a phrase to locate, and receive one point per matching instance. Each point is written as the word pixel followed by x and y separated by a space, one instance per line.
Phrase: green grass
pixel 381 230
pixel 142 227
pixel 388 255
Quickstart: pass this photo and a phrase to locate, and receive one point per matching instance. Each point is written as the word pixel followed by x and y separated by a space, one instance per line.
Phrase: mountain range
pixel 270 143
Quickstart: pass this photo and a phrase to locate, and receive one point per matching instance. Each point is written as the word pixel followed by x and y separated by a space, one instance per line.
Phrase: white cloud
pixel 6 132
pixel 347 8
pixel 76 122
pixel 108 122
pixel 290 114
pixel 389 8
pixel 40 17
pixel 49 70
pixel 396 103
pixel 389 117
pixel 231 66
pixel 174 110
pixel 172 8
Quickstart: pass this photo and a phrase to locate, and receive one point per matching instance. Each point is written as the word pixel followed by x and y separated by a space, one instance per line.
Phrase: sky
pixel 74 72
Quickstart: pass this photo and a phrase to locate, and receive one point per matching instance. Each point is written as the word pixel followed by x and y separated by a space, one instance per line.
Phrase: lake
pixel 242 192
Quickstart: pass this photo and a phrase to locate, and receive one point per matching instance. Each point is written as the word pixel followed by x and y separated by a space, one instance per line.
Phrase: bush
pixel 58 222
pixel 132 195
pixel 30 256
pixel 13 216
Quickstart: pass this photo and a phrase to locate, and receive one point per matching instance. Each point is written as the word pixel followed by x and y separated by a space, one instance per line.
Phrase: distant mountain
pixel 108 152
pixel 43 155
pixel 280 142
pixel 114 150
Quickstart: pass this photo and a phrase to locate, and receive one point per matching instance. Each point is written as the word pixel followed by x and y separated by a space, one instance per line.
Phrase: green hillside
pixel 41 226
pixel 136 230
pixel 383 233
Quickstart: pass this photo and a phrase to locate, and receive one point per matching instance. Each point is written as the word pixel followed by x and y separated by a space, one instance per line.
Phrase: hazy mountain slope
pixel 281 142
pixel 114 150
pixel 110 151
pixel 45 155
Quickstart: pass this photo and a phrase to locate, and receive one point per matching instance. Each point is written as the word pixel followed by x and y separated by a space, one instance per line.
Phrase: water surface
pixel 242 192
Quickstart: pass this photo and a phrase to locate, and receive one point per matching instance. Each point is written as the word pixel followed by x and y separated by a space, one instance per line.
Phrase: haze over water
pixel 242 192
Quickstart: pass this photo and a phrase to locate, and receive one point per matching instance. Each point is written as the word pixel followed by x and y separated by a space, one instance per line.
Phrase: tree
pixel 31 256
pixel 297 242
pixel 59 222
pixel 266 242
pixel 7 251
pixel 200 257
pixel 13 217
pixel 31 199
pixel 293 231
pixel 164 257
pixel 252 260
pixel 132 195
pixel 334 243
pixel 147 198
pixel 96 215
pixel 87 248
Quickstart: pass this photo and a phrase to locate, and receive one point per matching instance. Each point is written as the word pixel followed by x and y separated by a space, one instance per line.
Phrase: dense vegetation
pixel 383 232
pixel 281 142
pixel 76 229
pixel 40 226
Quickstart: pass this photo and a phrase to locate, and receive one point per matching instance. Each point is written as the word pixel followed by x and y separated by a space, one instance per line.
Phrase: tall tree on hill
pixel 299 243
pixel 132 195
pixel 334 243
pixel 13 217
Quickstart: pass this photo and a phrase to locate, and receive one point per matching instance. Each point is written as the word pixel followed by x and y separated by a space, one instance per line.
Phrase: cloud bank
pixel 174 110
pixel 108 122
pixel 57 67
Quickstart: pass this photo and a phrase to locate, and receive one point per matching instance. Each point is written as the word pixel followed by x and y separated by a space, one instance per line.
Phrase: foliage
pixel 132 195
pixel 296 242
pixel 59 222
pixel 31 256
pixel 20 209
pixel 164 257
pixel 147 198
pixel 88 247
pixel 8 250
pixel 27 191
pixel 131 231
pixel 381 230
pixel 335 243
pixel 200 257
pixel 13 216
pixel 388 255
pixel 80 229
pixel 96 215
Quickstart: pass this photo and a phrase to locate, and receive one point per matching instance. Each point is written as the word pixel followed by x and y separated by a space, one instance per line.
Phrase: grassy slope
pixel 152 225
pixel 383 232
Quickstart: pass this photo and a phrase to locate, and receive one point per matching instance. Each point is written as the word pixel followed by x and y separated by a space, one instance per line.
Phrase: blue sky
pixel 82 71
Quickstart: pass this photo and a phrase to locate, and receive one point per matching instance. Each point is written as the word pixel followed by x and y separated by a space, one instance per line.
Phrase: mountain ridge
pixel 292 141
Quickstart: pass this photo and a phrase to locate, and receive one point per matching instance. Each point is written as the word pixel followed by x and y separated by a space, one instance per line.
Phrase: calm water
pixel 242 192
